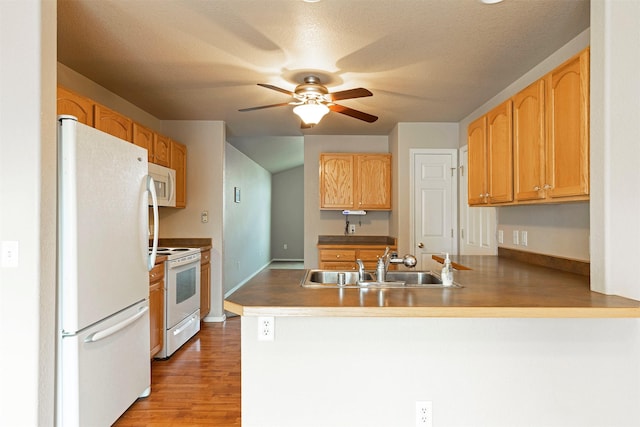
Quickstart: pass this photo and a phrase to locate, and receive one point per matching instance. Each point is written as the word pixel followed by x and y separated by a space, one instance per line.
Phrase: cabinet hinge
pixel 453 170
pixel 461 170
pixel 462 233
pixel 452 232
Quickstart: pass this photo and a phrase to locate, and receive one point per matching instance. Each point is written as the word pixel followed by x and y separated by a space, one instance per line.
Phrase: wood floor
pixel 199 385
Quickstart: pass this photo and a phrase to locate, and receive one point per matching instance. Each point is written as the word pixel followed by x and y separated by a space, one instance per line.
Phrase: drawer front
pixel 156 273
pixel 342 266
pixel 338 255
pixel 370 254
pixel 205 257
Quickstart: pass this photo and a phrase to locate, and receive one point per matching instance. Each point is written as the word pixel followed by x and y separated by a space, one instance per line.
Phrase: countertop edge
pixel 438 312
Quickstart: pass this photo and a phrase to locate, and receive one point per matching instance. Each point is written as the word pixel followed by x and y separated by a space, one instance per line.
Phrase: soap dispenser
pixel 447 272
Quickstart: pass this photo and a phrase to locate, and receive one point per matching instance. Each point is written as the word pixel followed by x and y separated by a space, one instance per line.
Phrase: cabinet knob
pixel 547 187
pixel 337 256
pixel 536 188
pixel 421 245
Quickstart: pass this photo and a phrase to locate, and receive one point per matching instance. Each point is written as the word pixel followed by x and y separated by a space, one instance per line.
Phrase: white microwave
pixel 165 183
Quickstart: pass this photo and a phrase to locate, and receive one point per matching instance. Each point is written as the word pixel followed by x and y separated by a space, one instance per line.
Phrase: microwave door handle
pixel 151 188
pixel 172 189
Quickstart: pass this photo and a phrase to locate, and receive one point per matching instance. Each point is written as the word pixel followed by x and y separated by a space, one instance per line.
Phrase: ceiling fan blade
pixel 276 88
pixel 350 93
pixel 264 106
pixel 353 113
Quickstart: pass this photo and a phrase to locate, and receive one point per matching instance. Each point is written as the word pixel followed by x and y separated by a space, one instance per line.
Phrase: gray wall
pixel 287 214
pixel 247 225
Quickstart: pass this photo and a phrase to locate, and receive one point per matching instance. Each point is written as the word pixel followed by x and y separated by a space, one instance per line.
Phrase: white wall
pixel 28 211
pixel 615 147
pixel 317 222
pixel 369 372
pixel 247 225
pixel 527 218
pixel 205 141
pixel 287 214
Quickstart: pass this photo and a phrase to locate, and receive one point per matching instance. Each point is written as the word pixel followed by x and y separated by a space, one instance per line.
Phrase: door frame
pixel 454 196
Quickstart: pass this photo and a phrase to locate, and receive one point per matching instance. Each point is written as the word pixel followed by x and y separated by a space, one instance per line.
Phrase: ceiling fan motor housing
pixel 311 89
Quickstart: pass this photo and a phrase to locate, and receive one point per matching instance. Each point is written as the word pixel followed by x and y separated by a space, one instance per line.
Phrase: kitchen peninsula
pixel 481 354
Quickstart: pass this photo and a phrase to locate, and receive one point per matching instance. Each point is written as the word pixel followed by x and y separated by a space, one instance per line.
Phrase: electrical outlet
pixel 285 246
pixel 352 229
pixel 424 414
pixel 266 328
pixel 523 238
pixel 500 236
pixel 204 217
pixel 516 237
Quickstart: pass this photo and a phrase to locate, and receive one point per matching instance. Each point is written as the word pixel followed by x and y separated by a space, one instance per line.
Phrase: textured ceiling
pixel 424 60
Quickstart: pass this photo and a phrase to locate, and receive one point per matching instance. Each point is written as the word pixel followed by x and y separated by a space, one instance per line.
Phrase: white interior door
pixel 477 225
pixel 434 205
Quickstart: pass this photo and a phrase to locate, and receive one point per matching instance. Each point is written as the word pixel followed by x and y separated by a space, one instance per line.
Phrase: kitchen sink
pixel 394 279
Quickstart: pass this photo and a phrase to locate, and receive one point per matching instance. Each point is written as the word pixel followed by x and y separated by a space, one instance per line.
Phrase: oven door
pixel 183 289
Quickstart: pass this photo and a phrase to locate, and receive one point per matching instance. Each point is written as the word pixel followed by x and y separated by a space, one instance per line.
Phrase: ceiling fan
pixel 312 101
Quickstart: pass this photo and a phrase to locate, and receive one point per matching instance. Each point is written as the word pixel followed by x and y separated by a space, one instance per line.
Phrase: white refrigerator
pixel 102 355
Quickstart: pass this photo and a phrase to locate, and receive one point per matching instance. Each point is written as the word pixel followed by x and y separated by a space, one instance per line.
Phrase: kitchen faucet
pixel 392 258
pixel 361 277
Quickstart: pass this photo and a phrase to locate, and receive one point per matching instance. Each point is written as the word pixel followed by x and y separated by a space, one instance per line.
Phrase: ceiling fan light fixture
pixel 311 112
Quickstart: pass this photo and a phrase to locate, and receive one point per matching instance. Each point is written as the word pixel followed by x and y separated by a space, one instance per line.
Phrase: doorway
pixel 434 186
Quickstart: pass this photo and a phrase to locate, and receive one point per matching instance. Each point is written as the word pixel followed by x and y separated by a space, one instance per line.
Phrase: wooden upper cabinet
pixel 71 103
pixel 355 181
pixel 529 143
pixel 568 129
pixel 500 154
pixel 179 163
pixel 162 150
pixel 144 137
pixel 374 181
pixel 113 123
pixel 337 186
pixel 477 168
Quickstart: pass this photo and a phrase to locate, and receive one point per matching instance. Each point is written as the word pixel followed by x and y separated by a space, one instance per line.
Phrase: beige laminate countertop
pixel 494 287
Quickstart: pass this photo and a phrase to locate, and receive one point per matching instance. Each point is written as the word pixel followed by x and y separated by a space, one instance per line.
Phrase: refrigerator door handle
pixel 100 335
pixel 151 188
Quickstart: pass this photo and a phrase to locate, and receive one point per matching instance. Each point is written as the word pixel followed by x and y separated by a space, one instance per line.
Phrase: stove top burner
pixel 173 253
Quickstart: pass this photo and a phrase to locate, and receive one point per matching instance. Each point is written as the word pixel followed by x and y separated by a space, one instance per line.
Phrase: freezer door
pixel 103 370
pixel 103 225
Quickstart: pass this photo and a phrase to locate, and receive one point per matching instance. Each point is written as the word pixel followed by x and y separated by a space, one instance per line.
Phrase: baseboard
pixel 239 285
pixel 215 319
pixel 287 260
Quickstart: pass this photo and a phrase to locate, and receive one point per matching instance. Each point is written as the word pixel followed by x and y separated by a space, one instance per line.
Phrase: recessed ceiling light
pixel 490 1
pixel 311 1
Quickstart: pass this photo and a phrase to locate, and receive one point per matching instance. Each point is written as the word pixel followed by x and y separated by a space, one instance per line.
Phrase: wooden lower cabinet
pixel 156 308
pixel 205 283
pixel 343 257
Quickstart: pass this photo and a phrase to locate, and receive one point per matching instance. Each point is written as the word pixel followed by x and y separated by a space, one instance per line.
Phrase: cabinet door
pixel 71 103
pixel 477 169
pixel 568 122
pixel 337 181
pixel 156 315
pixel 162 150
pixel 529 142
pixel 499 154
pixel 179 163
pixel 113 123
pixel 373 181
pixel 143 137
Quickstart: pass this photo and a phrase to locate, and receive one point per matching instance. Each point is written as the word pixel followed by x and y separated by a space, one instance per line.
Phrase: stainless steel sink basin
pixel 394 279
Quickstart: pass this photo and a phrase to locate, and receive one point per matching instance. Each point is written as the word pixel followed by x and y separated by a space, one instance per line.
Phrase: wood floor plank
pixel 199 385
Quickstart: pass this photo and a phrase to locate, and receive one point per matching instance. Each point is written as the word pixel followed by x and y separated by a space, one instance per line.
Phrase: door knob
pixel 421 245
